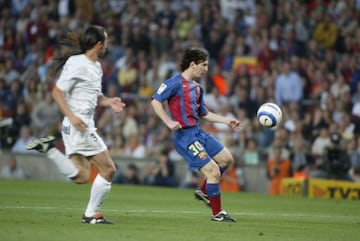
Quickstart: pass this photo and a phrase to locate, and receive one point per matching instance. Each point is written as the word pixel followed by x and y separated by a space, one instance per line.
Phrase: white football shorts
pixel 87 143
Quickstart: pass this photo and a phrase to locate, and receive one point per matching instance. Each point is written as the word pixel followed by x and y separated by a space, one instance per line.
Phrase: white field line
pixel 293 215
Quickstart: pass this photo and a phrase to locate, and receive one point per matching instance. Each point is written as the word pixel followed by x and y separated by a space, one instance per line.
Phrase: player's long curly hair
pixel 193 54
pixel 76 43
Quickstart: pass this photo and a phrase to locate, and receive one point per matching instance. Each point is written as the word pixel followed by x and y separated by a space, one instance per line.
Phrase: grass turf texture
pixel 38 210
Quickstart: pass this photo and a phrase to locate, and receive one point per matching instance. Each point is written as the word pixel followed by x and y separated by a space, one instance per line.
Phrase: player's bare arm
pixel 233 123
pixel 115 103
pixel 60 100
pixel 159 110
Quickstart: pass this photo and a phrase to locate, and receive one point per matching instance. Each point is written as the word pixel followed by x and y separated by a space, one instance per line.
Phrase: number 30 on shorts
pixel 196 148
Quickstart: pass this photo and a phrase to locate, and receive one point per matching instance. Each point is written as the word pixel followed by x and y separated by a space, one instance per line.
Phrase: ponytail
pixel 69 45
pixel 74 43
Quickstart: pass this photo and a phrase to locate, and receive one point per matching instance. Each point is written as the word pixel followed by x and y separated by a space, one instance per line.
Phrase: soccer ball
pixel 269 115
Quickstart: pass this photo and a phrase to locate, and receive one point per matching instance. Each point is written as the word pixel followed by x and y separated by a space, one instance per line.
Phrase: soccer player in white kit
pixel 77 93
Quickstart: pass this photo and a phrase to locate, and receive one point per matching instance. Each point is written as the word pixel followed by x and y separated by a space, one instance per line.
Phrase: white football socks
pixel 99 190
pixel 64 164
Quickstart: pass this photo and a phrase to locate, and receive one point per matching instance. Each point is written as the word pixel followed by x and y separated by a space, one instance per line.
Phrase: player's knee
pixel 112 171
pixel 226 162
pixel 215 174
pixel 227 159
pixel 230 160
pixel 108 173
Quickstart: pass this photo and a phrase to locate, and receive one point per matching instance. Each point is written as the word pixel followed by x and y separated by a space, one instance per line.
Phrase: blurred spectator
pixel 31 92
pixel 167 67
pixel 161 173
pixel 118 147
pixel 139 40
pixel 12 169
pixel 339 87
pixel 162 43
pixel 45 116
pixel 320 143
pixel 277 169
pixel 353 150
pixel 326 32
pixel 166 16
pixel 126 58
pixel 214 99
pixel 24 138
pixel 251 153
pixel 21 118
pixel 14 96
pixel 18 6
pixel 293 116
pixel 301 161
pixel 131 176
pixel 144 90
pixel 128 121
pixel 242 100
pixel 288 86
pixel 219 80
pixel 184 24
pixel 37 27
pixel 266 55
pixel 3 89
pixel 282 138
pixel 86 8
pixel 127 77
pixel 233 180
pixel 134 147
pixel 9 73
pixel 224 110
pixel 263 136
pixel 320 119
pixel 213 42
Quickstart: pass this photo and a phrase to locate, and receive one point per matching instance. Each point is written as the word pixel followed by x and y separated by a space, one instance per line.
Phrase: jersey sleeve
pixel 166 90
pixel 70 75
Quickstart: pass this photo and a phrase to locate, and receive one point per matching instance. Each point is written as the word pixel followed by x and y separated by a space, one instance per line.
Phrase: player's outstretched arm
pixel 115 103
pixel 233 123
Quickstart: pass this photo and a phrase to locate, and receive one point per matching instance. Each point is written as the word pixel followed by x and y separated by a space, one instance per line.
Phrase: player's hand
pixel 174 125
pixel 78 123
pixel 117 105
pixel 236 125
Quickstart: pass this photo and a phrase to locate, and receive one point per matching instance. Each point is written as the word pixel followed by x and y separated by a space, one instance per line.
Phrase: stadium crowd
pixel 302 55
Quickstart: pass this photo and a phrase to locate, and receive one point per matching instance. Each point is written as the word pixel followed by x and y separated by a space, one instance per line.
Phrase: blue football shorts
pixel 196 146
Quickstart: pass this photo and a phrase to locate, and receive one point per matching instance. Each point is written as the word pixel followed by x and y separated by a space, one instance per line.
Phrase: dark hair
pixel 196 55
pixel 76 43
pixel 164 152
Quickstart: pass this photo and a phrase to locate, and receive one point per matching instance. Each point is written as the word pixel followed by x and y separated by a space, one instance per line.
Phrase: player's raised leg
pixel 47 145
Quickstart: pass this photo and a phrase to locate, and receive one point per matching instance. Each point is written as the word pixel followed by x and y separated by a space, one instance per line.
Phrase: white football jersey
pixel 81 80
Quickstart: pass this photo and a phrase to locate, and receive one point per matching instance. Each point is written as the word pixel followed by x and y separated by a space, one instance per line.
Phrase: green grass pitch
pixel 51 211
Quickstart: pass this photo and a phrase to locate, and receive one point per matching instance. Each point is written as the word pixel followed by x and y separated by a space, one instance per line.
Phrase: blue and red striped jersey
pixel 185 100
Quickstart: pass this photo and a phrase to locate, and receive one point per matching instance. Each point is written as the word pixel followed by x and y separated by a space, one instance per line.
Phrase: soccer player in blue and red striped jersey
pixel 202 151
